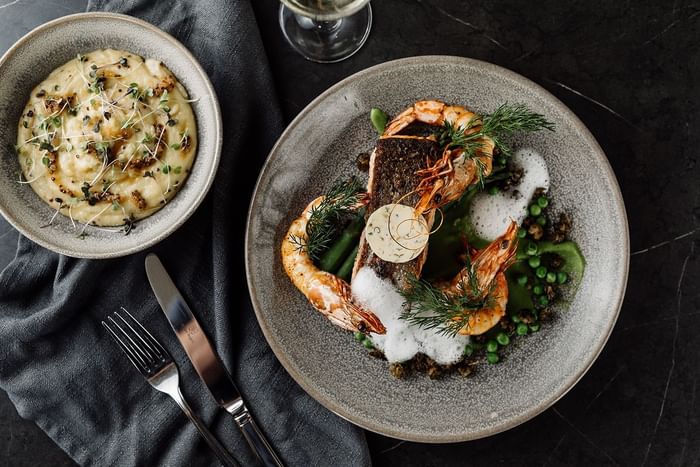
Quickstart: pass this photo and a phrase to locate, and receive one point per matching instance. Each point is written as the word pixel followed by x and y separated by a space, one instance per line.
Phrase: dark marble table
pixel 631 72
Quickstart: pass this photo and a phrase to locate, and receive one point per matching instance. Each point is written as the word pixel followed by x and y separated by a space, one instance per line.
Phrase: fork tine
pixel 159 350
pixel 145 356
pixel 133 358
pixel 145 347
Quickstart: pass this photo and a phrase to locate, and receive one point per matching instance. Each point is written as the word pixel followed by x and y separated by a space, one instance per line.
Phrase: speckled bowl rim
pixel 176 219
pixel 569 382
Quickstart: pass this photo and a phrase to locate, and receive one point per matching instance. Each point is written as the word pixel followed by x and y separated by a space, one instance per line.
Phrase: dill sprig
pixel 503 122
pixel 431 307
pixel 324 221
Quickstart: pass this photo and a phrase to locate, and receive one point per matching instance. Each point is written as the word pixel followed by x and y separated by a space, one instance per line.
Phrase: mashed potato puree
pixel 107 138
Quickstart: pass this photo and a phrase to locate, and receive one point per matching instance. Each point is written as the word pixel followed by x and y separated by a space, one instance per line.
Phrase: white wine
pixel 325 10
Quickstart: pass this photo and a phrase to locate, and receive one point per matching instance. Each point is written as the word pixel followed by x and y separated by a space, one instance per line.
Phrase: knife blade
pixel 205 359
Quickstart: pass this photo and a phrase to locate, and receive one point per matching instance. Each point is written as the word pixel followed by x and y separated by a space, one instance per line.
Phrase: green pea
pixel 492 357
pixel 534 262
pixel 522 280
pixel 535 210
pixel 562 277
pixel 551 277
pixel 515 318
pixel 491 345
pixel 541 272
pixel 531 249
pixel 503 338
pixel 543 300
pixel 522 233
pixel 468 350
pixel 542 202
pixel 368 344
pixel 541 220
pixel 493 190
pixel 534 327
pixel 538 289
pixel 521 329
pixel 359 336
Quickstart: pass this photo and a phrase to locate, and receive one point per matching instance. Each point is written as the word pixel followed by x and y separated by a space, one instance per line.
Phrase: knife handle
pixel 256 439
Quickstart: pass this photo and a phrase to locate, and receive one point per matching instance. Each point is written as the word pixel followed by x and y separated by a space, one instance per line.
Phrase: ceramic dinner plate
pixel 321 145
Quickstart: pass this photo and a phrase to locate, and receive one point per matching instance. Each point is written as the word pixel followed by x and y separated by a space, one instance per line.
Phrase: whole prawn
pixel 327 293
pixel 489 266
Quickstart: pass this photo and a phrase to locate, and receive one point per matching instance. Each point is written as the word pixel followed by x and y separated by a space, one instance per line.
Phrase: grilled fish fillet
pixel 392 168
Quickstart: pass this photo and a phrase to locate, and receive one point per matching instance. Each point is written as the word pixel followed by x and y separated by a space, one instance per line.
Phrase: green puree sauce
pixel 447 246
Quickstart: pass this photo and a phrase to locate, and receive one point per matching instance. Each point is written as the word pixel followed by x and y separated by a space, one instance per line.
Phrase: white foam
pixel 491 214
pixel 402 340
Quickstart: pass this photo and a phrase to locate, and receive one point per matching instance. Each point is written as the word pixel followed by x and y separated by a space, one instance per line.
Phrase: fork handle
pixel 211 440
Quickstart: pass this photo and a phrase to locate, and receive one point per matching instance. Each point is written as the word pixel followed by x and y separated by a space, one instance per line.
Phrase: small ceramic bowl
pixel 45 48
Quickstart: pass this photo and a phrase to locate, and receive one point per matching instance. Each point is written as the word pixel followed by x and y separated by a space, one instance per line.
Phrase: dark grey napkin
pixel 62 371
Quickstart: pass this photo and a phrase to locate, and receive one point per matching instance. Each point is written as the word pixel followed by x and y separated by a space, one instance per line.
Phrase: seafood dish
pixel 452 249
pixel 107 138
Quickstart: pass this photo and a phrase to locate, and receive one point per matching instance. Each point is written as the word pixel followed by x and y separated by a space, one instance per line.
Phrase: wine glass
pixel 326 31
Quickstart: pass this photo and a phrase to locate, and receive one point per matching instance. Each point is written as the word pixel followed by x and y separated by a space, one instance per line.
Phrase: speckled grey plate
pixel 321 145
pixel 38 53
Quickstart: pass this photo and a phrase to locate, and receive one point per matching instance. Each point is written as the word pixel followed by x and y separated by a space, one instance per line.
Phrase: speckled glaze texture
pixel 321 145
pixel 30 60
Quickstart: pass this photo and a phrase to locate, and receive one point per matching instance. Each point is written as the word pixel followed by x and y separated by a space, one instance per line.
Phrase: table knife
pixel 205 360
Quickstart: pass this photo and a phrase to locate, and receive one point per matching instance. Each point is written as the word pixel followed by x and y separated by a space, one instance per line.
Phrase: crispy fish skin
pixel 392 175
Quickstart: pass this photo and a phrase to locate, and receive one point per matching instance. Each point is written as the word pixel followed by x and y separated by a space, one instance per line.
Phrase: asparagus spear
pixel 345 270
pixel 333 258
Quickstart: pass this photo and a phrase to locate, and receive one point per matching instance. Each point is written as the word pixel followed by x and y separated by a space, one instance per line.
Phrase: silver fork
pixel 158 367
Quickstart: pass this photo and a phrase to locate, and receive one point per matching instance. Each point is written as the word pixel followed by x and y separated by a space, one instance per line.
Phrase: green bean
pixel 379 119
pixel 332 259
pixel 345 270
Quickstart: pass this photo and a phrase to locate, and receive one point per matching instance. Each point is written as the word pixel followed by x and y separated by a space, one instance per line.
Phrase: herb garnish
pixel 163 102
pixel 504 121
pixel 129 224
pixel 341 199
pixel 447 312
pixel 46 146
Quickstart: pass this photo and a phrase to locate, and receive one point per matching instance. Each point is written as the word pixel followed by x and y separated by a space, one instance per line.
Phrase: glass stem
pixel 327 27
pixel 321 27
